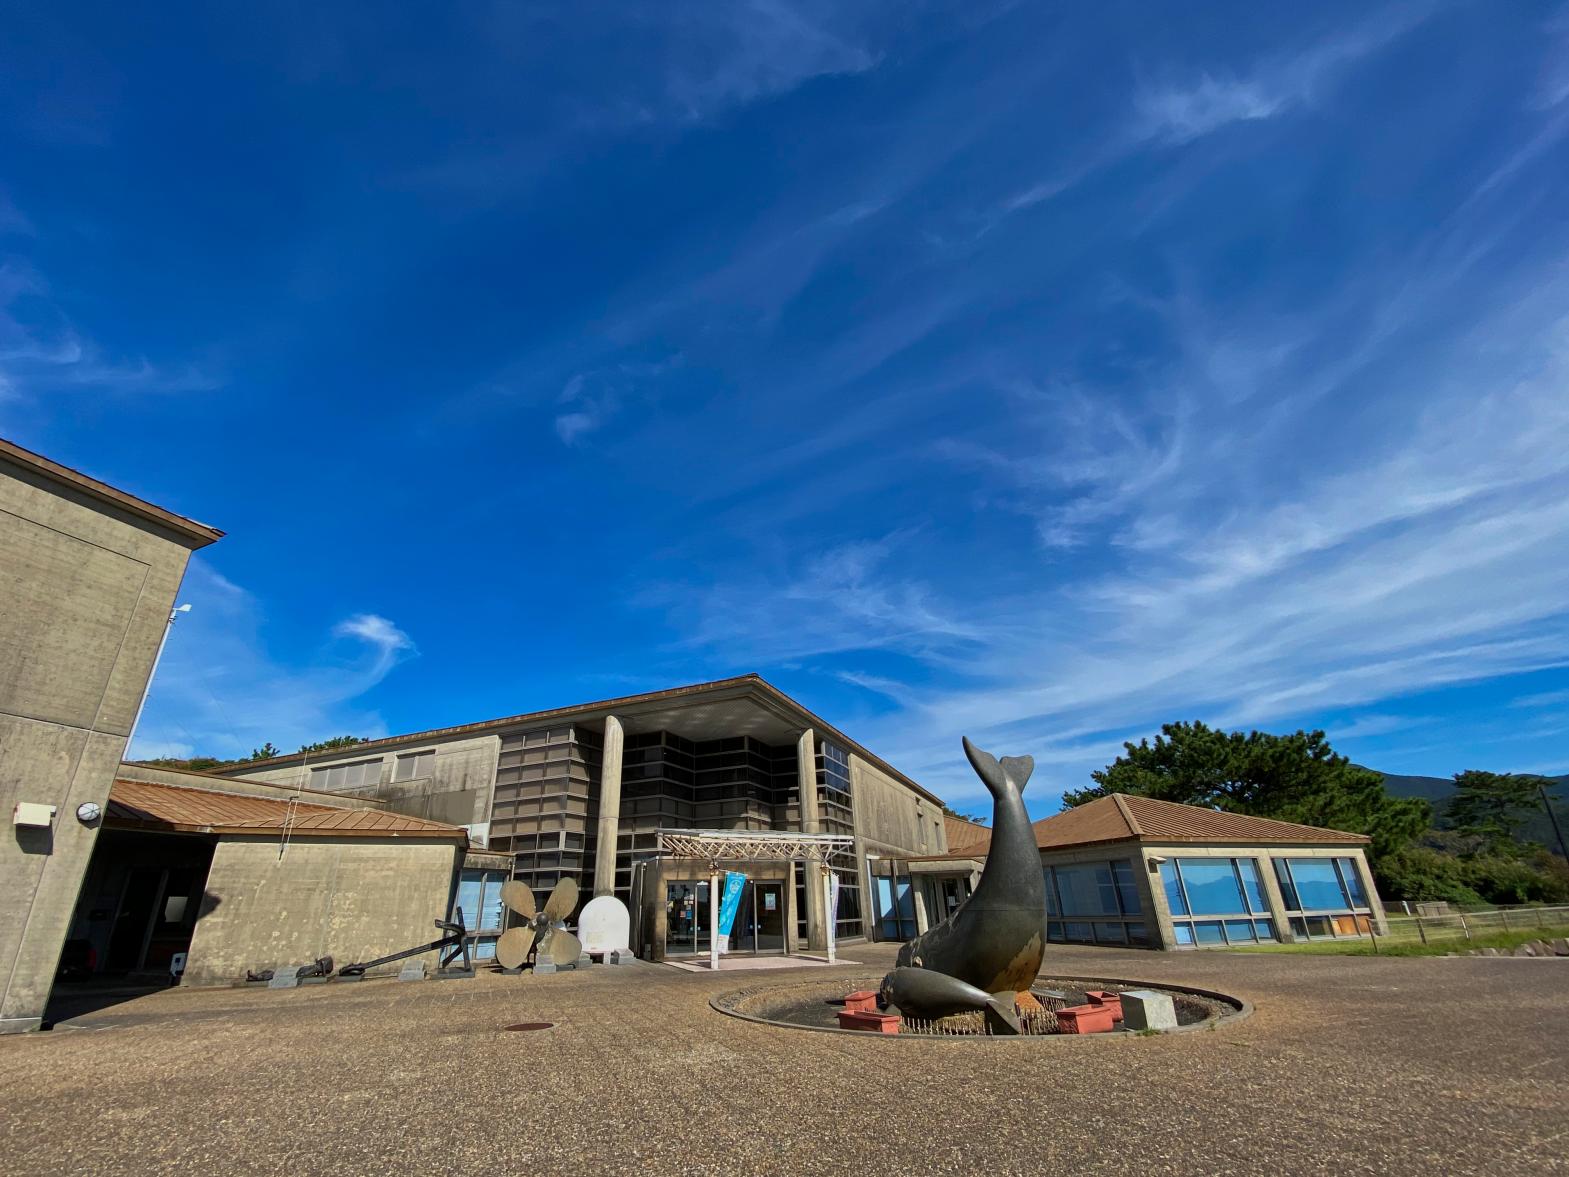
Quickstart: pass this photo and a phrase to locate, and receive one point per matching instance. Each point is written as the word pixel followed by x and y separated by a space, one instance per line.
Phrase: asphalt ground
pixel 1347 1065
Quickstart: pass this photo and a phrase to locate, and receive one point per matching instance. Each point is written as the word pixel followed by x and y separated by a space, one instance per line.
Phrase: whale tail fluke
pixel 1002 1016
pixel 1014 771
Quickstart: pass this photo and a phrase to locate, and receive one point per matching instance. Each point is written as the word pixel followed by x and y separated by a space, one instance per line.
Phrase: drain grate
pixel 530 1026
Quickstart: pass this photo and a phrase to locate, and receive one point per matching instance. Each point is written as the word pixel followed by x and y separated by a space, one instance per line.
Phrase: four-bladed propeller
pixel 541 926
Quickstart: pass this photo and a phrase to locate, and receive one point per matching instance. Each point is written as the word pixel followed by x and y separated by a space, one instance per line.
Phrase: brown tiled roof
pixel 1121 816
pixel 143 805
pixel 961 831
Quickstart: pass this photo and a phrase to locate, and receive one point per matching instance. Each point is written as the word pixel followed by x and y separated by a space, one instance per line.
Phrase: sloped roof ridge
pixel 1127 814
pixel 1244 820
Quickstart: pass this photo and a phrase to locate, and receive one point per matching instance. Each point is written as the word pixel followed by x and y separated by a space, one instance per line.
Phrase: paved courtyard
pixel 1348 1065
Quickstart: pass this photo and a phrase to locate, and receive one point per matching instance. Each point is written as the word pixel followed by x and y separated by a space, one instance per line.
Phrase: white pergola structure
pixel 718 846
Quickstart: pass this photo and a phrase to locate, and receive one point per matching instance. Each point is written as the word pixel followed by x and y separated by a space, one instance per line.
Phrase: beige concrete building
pixel 593 792
pixel 1136 872
pixel 241 876
pixel 87 582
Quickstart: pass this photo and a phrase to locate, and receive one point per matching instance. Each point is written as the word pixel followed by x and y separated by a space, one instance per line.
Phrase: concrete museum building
pixel 642 797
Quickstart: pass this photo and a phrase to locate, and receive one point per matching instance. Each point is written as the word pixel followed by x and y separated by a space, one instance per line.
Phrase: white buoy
pixel 604 925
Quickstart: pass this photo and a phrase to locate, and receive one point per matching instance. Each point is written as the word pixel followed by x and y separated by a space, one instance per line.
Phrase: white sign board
pixel 605 925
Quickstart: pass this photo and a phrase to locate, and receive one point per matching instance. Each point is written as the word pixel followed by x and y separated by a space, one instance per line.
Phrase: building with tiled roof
pixel 963 832
pixel 1134 871
pixel 147 805
pixel 211 879
pixel 1120 817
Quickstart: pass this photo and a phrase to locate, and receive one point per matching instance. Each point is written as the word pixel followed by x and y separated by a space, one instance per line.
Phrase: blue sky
pixel 1033 374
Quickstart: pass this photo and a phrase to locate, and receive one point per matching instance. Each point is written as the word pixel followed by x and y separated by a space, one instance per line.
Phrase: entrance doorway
pixel 157 915
pixel 759 923
pixel 687 924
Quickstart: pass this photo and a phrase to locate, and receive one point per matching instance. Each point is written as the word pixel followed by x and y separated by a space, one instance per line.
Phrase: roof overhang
pixel 193 534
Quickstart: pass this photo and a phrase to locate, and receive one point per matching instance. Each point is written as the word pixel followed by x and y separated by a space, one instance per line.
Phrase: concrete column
pixel 918 887
pixel 609 808
pixel 1278 914
pixel 1380 923
pixel 811 823
pixel 1153 890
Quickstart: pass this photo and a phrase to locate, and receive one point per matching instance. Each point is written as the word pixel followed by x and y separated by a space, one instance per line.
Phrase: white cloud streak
pixel 42 351
pixel 221 692
pixel 1251 578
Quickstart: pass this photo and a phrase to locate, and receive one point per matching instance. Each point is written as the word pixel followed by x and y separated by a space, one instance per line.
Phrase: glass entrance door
pixel 687 925
pixel 769 915
pixel 759 920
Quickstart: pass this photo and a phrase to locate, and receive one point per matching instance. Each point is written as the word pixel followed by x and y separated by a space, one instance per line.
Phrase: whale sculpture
pixel 993 944
pixel 936 995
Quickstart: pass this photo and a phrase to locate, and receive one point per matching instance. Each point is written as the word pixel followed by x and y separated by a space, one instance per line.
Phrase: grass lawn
pixel 1435 947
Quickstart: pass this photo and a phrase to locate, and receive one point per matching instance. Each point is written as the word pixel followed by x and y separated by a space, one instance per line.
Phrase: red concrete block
pixel 1112 1001
pixel 862 1001
pixel 1084 1019
pixel 875 1022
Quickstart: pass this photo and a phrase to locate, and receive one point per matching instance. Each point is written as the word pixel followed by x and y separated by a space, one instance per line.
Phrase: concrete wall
pixel 458 790
pixel 87 588
pixel 354 899
pixel 890 819
pixel 183 779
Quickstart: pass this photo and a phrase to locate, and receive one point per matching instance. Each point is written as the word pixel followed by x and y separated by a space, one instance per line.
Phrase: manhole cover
pixel 530 1026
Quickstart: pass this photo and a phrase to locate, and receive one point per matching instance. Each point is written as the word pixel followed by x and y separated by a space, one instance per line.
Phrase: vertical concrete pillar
pixel 811 823
pixel 1152 889
pixel 1278 914
pixel 1365 873
pixel 918 888
pixel 609 808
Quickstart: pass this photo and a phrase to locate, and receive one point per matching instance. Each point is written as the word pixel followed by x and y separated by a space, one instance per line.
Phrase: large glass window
pixel 1226 887
pixel 1318 884
pixel 478 905
pixel 895 907
pixel 1087 889
pixel 1094 903
pixel 1328 895
pixel 1212 886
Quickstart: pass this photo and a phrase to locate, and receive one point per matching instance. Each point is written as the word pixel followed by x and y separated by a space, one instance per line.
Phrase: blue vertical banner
pixel 729 904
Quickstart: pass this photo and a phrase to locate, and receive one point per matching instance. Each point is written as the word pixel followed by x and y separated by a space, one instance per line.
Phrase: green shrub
pixel 1422 874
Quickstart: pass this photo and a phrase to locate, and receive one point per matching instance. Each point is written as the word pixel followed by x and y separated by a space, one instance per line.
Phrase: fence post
pixel 1419 930
pixel 1504 916
pixel 1539 917
pixel 1463 927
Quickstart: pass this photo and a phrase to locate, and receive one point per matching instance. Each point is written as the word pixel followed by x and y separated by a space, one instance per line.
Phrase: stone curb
pixel 1242 1009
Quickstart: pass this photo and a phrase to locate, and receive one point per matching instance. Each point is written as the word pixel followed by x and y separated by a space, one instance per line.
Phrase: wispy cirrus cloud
pixel 1183 107
pixel 43 351
pixel 1276 532
pixel 1179 112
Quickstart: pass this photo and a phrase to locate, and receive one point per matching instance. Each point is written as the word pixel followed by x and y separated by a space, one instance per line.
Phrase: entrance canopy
pixel 753 845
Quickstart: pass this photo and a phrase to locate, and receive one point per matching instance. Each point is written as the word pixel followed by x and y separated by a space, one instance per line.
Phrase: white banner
pixel 833 913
